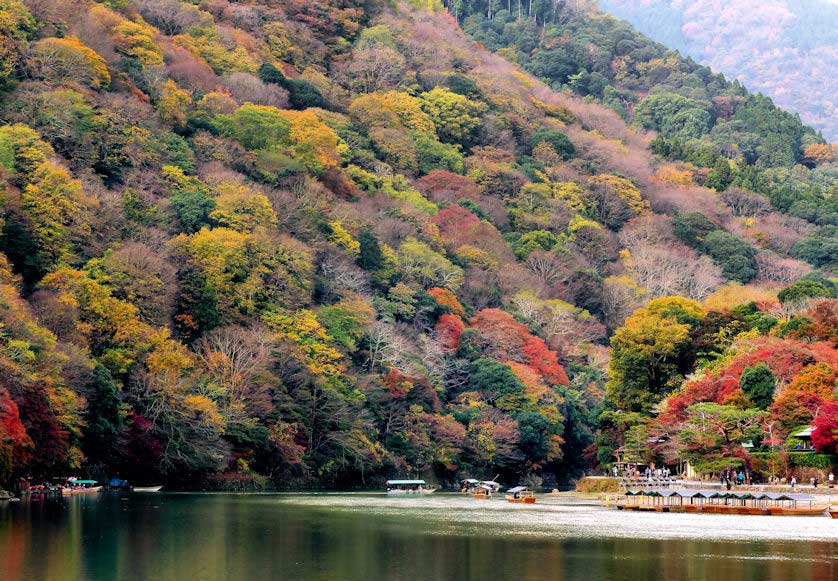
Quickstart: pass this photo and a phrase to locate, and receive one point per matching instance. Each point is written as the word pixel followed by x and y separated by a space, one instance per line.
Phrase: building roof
pixel 806 433
pixel 725 494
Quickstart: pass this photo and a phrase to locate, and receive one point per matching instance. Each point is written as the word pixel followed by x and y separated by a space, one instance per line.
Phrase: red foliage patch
pixel 505 338
pixel 448 329
pixel 825 429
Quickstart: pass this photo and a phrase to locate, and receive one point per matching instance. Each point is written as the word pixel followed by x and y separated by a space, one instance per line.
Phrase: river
pixel 369 537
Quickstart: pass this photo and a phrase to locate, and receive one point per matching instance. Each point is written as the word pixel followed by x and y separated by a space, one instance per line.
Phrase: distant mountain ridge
pixel 784 49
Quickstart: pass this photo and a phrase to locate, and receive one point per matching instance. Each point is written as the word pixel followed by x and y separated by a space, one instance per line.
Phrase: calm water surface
pixel 372 537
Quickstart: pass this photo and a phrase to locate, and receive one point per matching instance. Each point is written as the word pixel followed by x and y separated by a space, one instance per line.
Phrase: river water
pixel 368 537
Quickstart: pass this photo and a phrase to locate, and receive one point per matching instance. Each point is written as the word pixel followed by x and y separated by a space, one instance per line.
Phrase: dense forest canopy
pixel 325 243
pixel 782 48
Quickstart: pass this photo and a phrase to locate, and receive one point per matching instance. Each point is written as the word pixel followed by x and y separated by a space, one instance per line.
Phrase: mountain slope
pixel 323 243
pixel 782 49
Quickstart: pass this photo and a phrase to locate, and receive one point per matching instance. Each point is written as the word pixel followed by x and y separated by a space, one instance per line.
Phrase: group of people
pixel 731 477
pixel 650 474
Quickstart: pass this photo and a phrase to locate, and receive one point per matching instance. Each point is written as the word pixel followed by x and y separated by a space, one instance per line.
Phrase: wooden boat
pixel 813 511
pixel 725 503
pixel 833 512
pixel 469 486
pixel 486 489
pixel 520 495
pixel 76 486
pixel 72 490
pixel 147 488
pixel 403 487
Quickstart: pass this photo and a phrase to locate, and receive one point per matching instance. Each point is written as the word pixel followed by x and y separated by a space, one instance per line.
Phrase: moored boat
pixel 486 489
pixel 833 512
pixel 76 486
pixel 469 486
pixel 520 495
pixel 727 503
pixel 146 489
pixel 397 487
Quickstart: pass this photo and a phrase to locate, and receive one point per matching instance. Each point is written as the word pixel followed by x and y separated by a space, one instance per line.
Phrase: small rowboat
pixel 520 495
pixel 147 488
pixel 833 512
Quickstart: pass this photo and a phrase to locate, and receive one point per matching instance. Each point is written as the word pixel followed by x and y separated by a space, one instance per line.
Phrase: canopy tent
pixel 517 489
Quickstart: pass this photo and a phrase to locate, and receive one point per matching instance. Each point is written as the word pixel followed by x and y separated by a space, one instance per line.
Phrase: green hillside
pixel 324 243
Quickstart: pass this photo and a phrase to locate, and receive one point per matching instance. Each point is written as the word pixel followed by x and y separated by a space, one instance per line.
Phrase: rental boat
pixel 408 487
pixel 520 495
pixel 481 490
pixel 76 486
pixel 713 502
pixel 147 488
pixel 486 489
pixel 469 485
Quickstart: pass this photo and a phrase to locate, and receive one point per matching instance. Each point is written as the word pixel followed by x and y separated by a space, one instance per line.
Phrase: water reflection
pixel 357 537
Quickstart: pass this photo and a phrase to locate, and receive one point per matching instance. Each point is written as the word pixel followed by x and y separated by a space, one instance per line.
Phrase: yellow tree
pixel 55 207
pixel 647 360
pixel 66 61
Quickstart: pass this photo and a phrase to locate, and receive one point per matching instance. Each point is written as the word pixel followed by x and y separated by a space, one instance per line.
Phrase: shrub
pixel 558 140
pixel 805 289
pixel 590 484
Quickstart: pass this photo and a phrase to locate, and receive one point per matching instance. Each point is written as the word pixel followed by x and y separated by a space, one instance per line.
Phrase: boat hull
pixel 91 490
pixel 147 488
pixel 729 510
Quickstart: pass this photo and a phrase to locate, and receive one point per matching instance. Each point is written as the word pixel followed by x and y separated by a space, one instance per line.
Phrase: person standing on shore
pixel 831 480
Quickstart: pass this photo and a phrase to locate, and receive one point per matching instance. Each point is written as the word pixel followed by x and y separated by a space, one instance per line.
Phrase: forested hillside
pixel 782 48
pixel 324 243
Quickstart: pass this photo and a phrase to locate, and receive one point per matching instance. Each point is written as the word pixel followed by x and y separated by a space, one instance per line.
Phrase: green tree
pixel 693 228
pixel 805 289
pixel 370 257
pixel 493 379
pixel 720 176
pixel 820 248
pixel 673 115
pixel 758 383
pixel 736 258
pixel 256 126
pixel 455 116
pixel 713 434
pixel 557 140
pixel 103 416
pixel 191 199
